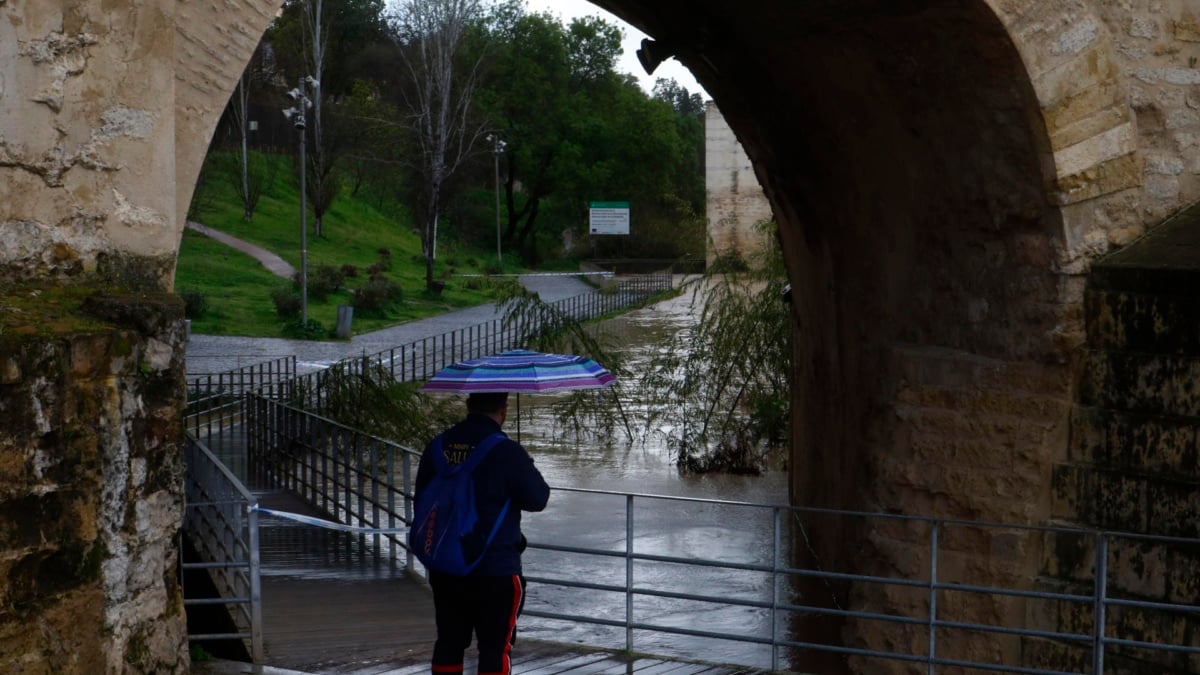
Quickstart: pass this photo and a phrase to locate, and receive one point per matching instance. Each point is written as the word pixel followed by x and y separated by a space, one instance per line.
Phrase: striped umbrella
pixel 520 371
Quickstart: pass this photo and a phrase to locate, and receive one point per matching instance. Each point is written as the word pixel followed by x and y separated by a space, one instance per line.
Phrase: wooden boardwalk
pixel 327 611
pixel 385 627
pixel 322 613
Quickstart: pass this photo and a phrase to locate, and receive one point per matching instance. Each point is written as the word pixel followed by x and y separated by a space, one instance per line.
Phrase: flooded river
pixel 609 461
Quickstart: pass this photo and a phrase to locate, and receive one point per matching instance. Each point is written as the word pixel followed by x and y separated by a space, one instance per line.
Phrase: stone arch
pixel 941 148
pixel 939 170
pixel 924 163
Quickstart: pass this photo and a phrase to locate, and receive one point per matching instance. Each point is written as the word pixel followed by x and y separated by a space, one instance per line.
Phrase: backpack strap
pixel 473 459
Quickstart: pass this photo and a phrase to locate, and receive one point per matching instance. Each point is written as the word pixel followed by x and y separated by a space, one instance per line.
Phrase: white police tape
pixel 328 524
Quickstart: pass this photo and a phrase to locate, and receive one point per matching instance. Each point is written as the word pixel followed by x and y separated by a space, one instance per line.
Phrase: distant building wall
pixel 735 201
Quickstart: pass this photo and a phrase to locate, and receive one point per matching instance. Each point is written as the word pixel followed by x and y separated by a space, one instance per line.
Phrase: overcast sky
pixel 568 9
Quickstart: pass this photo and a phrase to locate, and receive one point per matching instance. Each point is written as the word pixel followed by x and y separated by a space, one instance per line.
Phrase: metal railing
pixel 353 477
pixel 272 376
pixel 421 359
pixel 619 559
pixel 221 522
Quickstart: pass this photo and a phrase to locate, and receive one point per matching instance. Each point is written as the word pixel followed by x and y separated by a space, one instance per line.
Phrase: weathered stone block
pixel 87 537
pixel 1141 382
pixel 1165 323
pixel 1174 507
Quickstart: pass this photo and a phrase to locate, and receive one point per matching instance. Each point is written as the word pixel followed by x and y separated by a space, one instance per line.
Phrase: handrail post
pixel 933 573
pixel 629 573
pixel 391 502
pixel 256 621
pixel 777 514
pixel 406 477
pixel 1101 592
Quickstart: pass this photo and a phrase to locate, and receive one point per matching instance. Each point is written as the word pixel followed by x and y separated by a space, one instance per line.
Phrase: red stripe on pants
pixel 506 665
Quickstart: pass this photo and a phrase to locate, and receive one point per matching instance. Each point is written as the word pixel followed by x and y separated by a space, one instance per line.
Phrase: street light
pixel 296 113
pixel 497 148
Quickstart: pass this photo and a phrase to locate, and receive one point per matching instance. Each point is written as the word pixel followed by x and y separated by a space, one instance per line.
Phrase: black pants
pixel 485 606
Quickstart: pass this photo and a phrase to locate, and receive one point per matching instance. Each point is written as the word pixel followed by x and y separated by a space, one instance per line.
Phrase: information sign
pixel 608 217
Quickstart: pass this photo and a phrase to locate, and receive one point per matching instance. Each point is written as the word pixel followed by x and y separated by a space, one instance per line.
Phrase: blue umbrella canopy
pixel 520 371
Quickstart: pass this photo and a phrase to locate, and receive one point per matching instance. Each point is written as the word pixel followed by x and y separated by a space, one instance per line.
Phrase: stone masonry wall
pixel 1133 461
pixel 91 394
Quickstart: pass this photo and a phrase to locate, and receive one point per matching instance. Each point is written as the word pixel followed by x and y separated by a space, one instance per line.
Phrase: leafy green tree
pixel 689 125
pixel 578 131
pixel 525 93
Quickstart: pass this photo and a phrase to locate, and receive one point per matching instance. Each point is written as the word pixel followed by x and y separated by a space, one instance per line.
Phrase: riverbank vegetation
pixel 363 249
pixel 539 123
pixel 717 392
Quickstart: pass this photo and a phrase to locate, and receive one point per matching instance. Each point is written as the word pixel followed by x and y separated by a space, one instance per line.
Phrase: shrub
pixel 194 304
pixel 313 331
pixel 349 271
pixel 325 280
pixel 375 296
pixel 376 271
pixel 287 301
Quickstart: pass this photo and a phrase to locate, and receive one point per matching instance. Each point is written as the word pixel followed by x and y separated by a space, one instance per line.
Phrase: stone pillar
pixel 91 393
pixel 734 201
pixel 91 345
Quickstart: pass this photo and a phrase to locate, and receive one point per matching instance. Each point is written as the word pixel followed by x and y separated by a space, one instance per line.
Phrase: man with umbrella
pixel 489 599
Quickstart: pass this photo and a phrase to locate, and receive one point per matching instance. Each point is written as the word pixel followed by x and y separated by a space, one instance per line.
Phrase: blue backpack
pixel 443 535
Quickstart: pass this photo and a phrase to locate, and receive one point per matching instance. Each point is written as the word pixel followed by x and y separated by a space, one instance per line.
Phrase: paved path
pixel 278 266
pixel 208 354
pixel 215 354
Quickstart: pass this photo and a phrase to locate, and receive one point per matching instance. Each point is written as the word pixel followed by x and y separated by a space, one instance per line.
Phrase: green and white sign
pixel 608 217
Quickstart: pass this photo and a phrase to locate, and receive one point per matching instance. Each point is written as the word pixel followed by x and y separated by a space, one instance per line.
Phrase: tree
pixel 539 77
pixel 578 131
pixel 252 184
pixel 321 40
pixel 689 123
pixel 436 102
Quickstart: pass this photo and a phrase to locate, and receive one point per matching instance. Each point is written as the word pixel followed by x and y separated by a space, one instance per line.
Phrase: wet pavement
pixel 208 354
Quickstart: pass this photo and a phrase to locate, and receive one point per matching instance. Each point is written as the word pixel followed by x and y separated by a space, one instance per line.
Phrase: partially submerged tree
pixel 436 103
pixel 726 379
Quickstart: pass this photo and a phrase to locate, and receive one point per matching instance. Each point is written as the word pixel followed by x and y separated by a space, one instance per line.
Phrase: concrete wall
pixel 735 202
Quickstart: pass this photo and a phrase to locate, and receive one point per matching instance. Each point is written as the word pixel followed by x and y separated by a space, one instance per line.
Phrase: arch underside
pixel 909 167
pixel 904 152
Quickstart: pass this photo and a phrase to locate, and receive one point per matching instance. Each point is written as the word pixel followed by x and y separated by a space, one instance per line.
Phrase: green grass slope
pixel 237 289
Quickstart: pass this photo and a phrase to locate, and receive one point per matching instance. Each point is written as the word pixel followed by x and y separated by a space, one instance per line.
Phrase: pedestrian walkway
pixel 207 354
pixel 276 265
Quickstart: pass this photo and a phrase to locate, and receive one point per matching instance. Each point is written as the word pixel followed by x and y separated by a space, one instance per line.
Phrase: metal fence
pixel 353 477
pixel 273 376
pixel 659 569
pixel 421 359
pixel 221 522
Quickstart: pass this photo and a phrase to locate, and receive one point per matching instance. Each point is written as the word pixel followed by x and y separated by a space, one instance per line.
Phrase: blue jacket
pixel 506 472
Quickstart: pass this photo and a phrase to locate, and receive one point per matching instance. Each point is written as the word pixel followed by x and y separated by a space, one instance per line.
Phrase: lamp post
pixel 497 148
pixel 296 114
